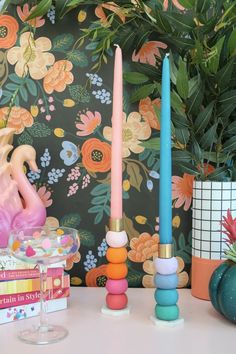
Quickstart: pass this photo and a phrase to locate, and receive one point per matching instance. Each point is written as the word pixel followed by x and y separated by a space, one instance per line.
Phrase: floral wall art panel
pixel 56 102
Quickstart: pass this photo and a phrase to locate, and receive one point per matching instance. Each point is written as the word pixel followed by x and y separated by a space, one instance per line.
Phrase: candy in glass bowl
pixel 43 246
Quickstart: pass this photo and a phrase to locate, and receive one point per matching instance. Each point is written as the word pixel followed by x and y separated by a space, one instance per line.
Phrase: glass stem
pixel 43 322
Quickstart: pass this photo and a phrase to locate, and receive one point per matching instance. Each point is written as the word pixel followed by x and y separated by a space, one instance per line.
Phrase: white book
pixel 26 311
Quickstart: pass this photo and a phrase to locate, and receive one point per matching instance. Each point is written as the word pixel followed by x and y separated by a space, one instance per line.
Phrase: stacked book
pixel 20 289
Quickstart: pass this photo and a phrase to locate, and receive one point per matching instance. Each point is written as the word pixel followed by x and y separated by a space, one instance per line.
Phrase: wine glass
pixel 43 246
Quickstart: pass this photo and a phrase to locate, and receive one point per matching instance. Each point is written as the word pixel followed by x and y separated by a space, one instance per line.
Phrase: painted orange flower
pixel 182 190
pixel 96 155
pixel 148 279
pixel 71 260
pixel 97 276
pixel 111 6
pixel 143 247
pixel 25 12
pixel 90 121
pixel 44 195
pixel 17 118
pixel 146 109
pixel 8 31
pixel 148 52
pixel 58 77
pixel 31 56
pixel 175 3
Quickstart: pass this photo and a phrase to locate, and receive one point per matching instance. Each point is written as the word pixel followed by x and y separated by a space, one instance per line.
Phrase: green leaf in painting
pixel 40 10
pixel 78 58
pixel 134 279
pixel 39 130
pixel 62 42
pixel 152 144
pixel 135 77
pixel 86 237
pixel 25 138
pixel 31 87
pixel 143 92
pixel 100 189
pixel 182 135
pixel 71 220
pixel 23 93
pixel 79 93
pixel 213 61
pixel 136 178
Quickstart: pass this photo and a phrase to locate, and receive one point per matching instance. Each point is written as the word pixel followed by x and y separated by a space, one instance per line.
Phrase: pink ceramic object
pixel 12 181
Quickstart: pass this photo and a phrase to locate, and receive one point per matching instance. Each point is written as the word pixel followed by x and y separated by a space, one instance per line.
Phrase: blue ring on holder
pixel 166 297
pixel 166 281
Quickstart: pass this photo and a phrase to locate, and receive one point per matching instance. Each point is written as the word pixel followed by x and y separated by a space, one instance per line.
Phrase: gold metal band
pixel 116 225
pixel 165 250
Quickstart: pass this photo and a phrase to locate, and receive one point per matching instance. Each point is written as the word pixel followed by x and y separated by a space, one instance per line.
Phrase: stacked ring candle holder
pixel 117 270
pixel 166 295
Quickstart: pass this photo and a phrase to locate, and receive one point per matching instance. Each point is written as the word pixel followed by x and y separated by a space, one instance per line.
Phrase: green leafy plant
pixel 201 42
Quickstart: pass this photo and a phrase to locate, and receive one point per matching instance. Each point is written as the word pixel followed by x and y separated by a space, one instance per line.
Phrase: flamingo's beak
pixel 33 166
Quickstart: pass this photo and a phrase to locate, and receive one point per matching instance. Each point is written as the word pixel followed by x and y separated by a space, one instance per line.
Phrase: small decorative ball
pixel 116 239
pixel 116 302
pixel 167 313
pixel 116 255
pixel 117 271
pixel 166 281
pixel 165 297
pixel 166 265
pixel 116 287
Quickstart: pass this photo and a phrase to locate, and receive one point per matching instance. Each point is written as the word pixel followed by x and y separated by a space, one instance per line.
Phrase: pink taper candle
pixel 116 150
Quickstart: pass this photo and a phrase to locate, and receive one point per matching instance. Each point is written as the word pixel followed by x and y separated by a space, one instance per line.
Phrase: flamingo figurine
pixel 12 181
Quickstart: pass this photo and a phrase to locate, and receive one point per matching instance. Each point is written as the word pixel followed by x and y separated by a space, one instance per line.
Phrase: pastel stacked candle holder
pixel 117 270
pixel 166 281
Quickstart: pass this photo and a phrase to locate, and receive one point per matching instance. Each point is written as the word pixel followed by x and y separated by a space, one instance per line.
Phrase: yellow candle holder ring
pixel 165 250
pixel 117 270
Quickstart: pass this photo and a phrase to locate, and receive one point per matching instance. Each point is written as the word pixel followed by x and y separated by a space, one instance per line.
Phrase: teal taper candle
pixel 165 199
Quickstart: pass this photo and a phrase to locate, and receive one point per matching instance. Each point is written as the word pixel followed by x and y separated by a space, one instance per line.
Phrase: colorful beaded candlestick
pixel 166 281
pixel 117 270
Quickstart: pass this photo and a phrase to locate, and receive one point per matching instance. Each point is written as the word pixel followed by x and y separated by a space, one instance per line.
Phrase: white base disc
pixel 161 323
pixel 115 313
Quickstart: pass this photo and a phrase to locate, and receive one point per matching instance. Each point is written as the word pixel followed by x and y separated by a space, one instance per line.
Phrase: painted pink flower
pixel 182 190
pixel 25 12
pixel 148 52
pixel 229 224
pixel 44 195
pixel 90 121
pixel 175 3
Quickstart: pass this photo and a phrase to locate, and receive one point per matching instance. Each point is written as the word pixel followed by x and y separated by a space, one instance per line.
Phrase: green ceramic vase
pixel 222 290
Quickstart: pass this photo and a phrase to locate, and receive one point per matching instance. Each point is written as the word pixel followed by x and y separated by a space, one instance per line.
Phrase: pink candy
pixel 29 252
pixel 46 244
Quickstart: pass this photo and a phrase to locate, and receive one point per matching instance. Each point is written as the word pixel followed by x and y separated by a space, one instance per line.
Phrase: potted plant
pixel 200 37
pixel 221 288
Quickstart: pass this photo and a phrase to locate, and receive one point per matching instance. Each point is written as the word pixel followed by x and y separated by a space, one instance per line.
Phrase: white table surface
pixel 90 332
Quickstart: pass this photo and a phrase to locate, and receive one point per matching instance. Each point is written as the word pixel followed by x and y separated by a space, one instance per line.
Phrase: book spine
pixel 28 285
pixel 26 311
pixel 11 263
pixel 17 274
pixel 7 301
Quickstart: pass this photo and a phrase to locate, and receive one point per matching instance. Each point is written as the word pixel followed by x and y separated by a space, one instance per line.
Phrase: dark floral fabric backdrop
pixel 56 102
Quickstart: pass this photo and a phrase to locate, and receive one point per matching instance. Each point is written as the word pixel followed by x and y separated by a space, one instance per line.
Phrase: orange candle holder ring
pixel 117 270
